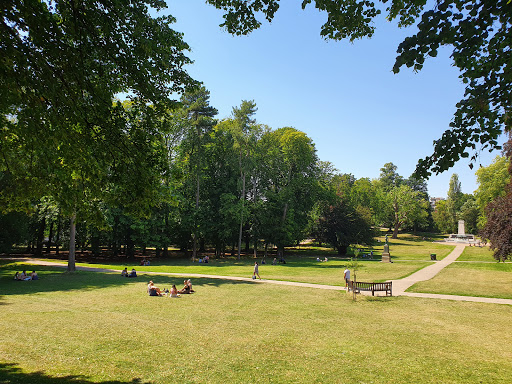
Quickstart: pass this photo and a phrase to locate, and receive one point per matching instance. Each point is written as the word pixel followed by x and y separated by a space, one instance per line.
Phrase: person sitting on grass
pixel 34 276
pixel 24 276
pixel 133 273
pixel 174 292
pixel 125 272
pixel 186 288
pixel 153 290
pixel 189 283
pixel 17 276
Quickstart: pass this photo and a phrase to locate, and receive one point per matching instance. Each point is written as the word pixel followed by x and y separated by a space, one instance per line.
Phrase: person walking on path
pixel 256 271
pixel 346 276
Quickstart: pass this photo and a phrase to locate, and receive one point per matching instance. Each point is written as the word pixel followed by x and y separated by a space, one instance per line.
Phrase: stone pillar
pixel 386 257
pixel 462 230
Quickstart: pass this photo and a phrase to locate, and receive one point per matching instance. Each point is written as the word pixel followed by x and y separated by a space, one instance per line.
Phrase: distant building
pixel 434 201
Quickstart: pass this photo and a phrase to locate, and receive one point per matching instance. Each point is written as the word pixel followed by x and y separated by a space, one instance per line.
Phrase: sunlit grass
pixel 409 253
pixel 477 254
pixel 471 279
pixel 244 332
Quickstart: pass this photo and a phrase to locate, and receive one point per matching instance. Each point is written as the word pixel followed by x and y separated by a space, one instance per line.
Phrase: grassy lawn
pixel 477 254
pixel 298 268
pixel 475 273
pixel 96 327
pixel 409 254
pixel 410 247
pixel 471 279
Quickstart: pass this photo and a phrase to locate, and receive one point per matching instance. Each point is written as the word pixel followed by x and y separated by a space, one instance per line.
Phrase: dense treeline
pixel 232 185
pixel 81 167
pixel 227 185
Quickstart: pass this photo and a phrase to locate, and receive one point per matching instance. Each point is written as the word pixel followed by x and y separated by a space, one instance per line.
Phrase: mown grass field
pixel 90 327
pixel 409 254
pixel 475 273
pixel 98 327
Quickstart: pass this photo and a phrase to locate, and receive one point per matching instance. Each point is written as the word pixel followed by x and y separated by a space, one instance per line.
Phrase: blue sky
pixel 343 96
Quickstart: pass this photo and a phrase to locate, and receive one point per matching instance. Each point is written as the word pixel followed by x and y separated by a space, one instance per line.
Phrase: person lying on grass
pixel 153 290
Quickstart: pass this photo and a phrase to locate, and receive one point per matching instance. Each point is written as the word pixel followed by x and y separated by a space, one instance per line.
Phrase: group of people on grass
pixel 125 273
pixel 24 276
pixel 153 290
pixel 144 262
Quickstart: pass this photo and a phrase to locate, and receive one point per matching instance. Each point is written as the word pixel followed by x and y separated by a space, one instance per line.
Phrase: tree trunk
pixel 95 244
pixel 57 239
pixel 342 250
pixel 115 246
pixel 40 237
pixel 241 216
pixel 395 230
pixel 166 247
pixel 50 237
pixel 130 245
pixel 194 246
pixel 72 234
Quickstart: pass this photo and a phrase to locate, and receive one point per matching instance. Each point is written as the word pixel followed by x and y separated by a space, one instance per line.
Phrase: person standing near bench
pixel 346 276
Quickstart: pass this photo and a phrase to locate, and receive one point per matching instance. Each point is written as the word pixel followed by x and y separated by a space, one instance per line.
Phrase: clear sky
pixel 343 96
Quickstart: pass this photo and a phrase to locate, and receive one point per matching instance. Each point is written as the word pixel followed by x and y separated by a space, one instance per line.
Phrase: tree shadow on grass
pixel 11 374
pixel 54 279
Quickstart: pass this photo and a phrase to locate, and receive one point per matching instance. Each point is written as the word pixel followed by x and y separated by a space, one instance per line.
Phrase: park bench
pixel 358 286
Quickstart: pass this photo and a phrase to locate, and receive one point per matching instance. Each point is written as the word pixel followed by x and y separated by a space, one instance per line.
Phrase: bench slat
pixel 372 287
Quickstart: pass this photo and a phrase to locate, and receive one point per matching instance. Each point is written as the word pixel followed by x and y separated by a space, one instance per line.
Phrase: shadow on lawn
pixel 10 373
pixel 54 279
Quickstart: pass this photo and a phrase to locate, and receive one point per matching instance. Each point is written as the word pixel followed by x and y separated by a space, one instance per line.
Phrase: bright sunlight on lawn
pixel 102 327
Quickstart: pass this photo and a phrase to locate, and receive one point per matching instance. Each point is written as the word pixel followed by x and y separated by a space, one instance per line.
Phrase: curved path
pixel 399 286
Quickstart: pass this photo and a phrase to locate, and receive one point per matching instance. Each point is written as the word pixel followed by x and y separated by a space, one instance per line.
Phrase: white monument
pixel 461 236
pixel 462 230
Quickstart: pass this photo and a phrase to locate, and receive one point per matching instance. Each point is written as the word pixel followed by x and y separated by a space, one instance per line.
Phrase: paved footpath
pixel 399 286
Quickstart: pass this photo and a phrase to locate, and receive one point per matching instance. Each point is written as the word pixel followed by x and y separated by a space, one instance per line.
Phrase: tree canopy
pixel 478 31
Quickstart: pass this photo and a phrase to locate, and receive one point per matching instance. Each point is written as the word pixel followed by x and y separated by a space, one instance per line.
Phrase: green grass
pixel 297 269
pixel 475 273
pixel 100 327
pixel 409 254
pixel 410 247
pixel 471 279
pixel 477 254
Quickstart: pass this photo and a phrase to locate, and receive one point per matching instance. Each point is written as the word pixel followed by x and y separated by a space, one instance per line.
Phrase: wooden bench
pixel 358 286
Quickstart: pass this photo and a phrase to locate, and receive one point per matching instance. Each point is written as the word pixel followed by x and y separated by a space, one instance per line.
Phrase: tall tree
pixel 408 206
pixel 246 136
pixel 67 62
pixel 492 181
pixel 389 177
pixel 200 116
pixel 291 185
pixel 498 228
pixel 454 200
pixel 341 225
pixel 442 219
